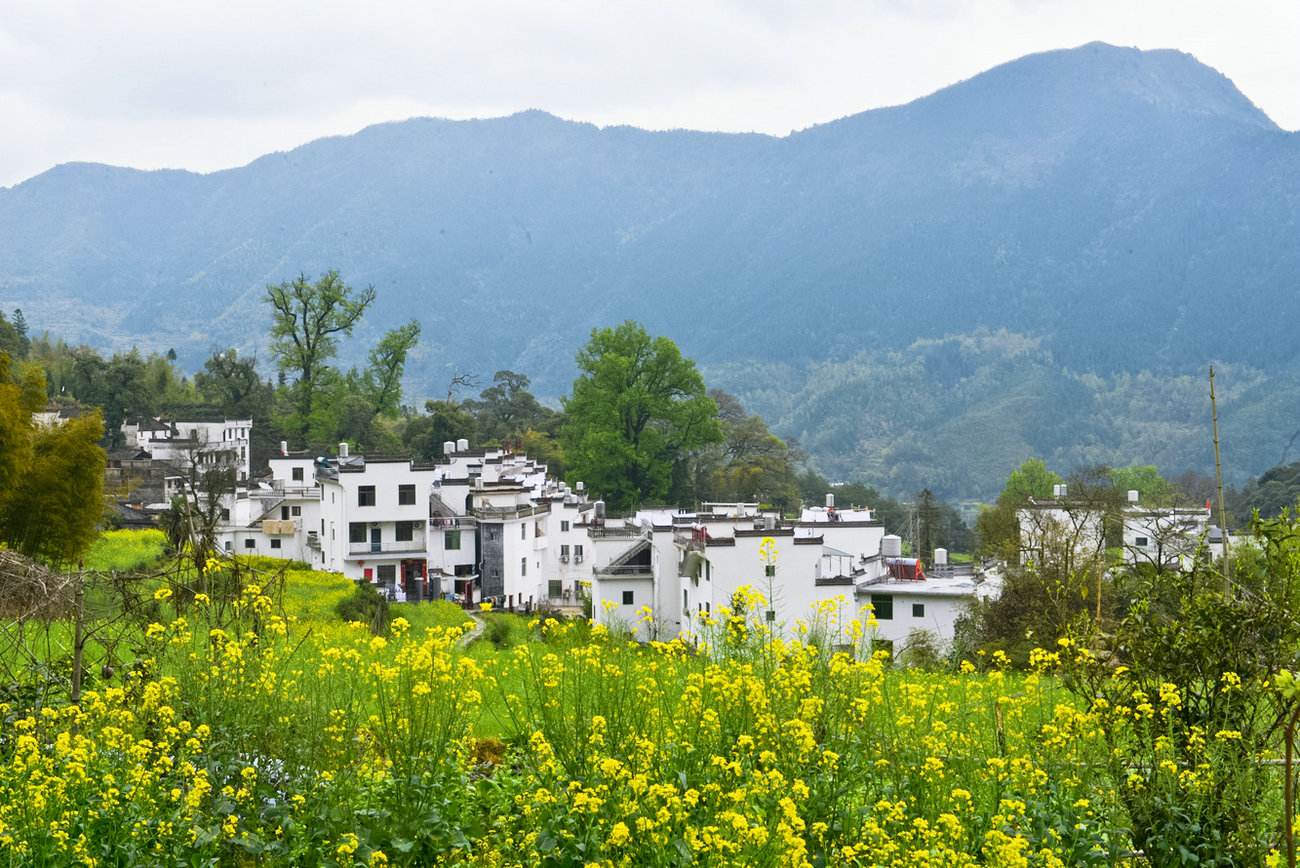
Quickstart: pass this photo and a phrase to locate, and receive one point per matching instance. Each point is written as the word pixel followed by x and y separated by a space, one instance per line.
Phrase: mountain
pixel 1107 216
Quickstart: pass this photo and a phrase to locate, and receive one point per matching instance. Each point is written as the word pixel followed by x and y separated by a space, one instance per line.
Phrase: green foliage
pixel 1186 676
pixel 637 411
pixel 307 317
pixel 1275 490
pixel 443 421
pixel 506 410
pixel 750 463
pixel 368 606
pixel 51 480
pixel 233 384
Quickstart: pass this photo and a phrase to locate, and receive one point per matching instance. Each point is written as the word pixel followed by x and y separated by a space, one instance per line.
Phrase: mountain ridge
pixel 1108 203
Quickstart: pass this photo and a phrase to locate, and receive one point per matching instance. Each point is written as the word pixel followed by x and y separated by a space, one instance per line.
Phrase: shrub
pixel 368 606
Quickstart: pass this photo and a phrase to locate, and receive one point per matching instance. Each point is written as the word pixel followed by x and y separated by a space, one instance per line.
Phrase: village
pixel 490 527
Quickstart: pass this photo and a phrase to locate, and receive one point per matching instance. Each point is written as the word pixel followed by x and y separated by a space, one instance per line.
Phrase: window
pixel 284 513
pixel 523 566
pixel 275 543
pixel 365 495
pixel 1140 542
pixel 555 589
pixel 523 531
pixel 686 601
pixel 357 532
pixel 387 574
pixel 406 495
pixel 368 573
pixel 405 531
pixel 225 514
pixel 297 474
pixel 564 526
pixel 564 553
pixel 249 543
pixel 295 511
pixel 769 570
pixel 918 610
pixel 884 606
pixel 629 598
pixel 451 540
pixel 577 553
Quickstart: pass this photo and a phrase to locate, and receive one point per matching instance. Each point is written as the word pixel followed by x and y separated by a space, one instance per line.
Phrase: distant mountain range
pixel 1042 259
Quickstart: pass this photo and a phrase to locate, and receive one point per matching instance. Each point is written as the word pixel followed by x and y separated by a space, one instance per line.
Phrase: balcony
pixel 598 532
pixel 361 549
pixel 626 571
pixel 517 511
pixel 539 543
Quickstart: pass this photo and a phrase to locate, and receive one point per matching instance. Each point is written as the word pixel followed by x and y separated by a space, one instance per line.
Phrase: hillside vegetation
pixel 1131 214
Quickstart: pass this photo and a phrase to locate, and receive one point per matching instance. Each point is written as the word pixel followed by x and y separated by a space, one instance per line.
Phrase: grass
pixel 124 550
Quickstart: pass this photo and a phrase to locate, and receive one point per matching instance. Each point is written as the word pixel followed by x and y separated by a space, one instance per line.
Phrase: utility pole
pixel 1218 479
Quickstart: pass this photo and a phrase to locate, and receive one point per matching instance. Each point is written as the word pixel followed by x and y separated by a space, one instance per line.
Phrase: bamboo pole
pixel 1218 479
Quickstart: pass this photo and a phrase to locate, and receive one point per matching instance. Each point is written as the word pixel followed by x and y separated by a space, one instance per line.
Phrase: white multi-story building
pixel 676 570
pixel 1060 529
pixel 278 516
pixel 488 525
pixel 1165 537
pixel 204 444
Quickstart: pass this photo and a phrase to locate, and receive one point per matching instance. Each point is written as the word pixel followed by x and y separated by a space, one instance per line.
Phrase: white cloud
pixel 154 84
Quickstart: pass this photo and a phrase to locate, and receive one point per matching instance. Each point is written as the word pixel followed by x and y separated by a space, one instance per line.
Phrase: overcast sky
pixel 207 86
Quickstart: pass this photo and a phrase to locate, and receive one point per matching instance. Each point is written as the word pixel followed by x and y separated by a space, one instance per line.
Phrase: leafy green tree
pixel 233 384
pixel 1144 479
pixel 638 409
pixel 13 339
pixel 383 377
pixel 51 480
pixel 307 318
pixel 506 409
pixel 443 421
pixel 997 529
pixel 750 464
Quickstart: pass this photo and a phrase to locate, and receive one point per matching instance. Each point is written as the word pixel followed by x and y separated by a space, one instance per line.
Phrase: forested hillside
pixel 1042 259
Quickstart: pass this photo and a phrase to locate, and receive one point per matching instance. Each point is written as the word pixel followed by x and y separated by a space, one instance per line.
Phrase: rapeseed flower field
pixel 247 734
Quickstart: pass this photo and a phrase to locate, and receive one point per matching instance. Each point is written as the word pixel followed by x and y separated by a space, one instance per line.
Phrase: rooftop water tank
pixel 462 445
pixel 941 557
pixel 891 546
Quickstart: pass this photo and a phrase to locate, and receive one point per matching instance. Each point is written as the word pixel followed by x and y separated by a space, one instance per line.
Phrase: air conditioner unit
pixel 577 559
pixel 564 559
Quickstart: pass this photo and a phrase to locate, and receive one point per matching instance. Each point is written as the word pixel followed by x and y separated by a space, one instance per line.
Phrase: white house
pixel 672 571
pixel 1060 528
pixel 1166 537
pixel 205 443
pixel 278 516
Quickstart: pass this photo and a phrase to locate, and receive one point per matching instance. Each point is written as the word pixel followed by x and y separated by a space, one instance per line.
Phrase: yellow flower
pixel 162 594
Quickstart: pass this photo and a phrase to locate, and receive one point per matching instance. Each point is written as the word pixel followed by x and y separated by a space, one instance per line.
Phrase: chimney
pixel 343 449
pixel 284 447
pixel 1132 495
pixel 830 500
pixel 462 445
